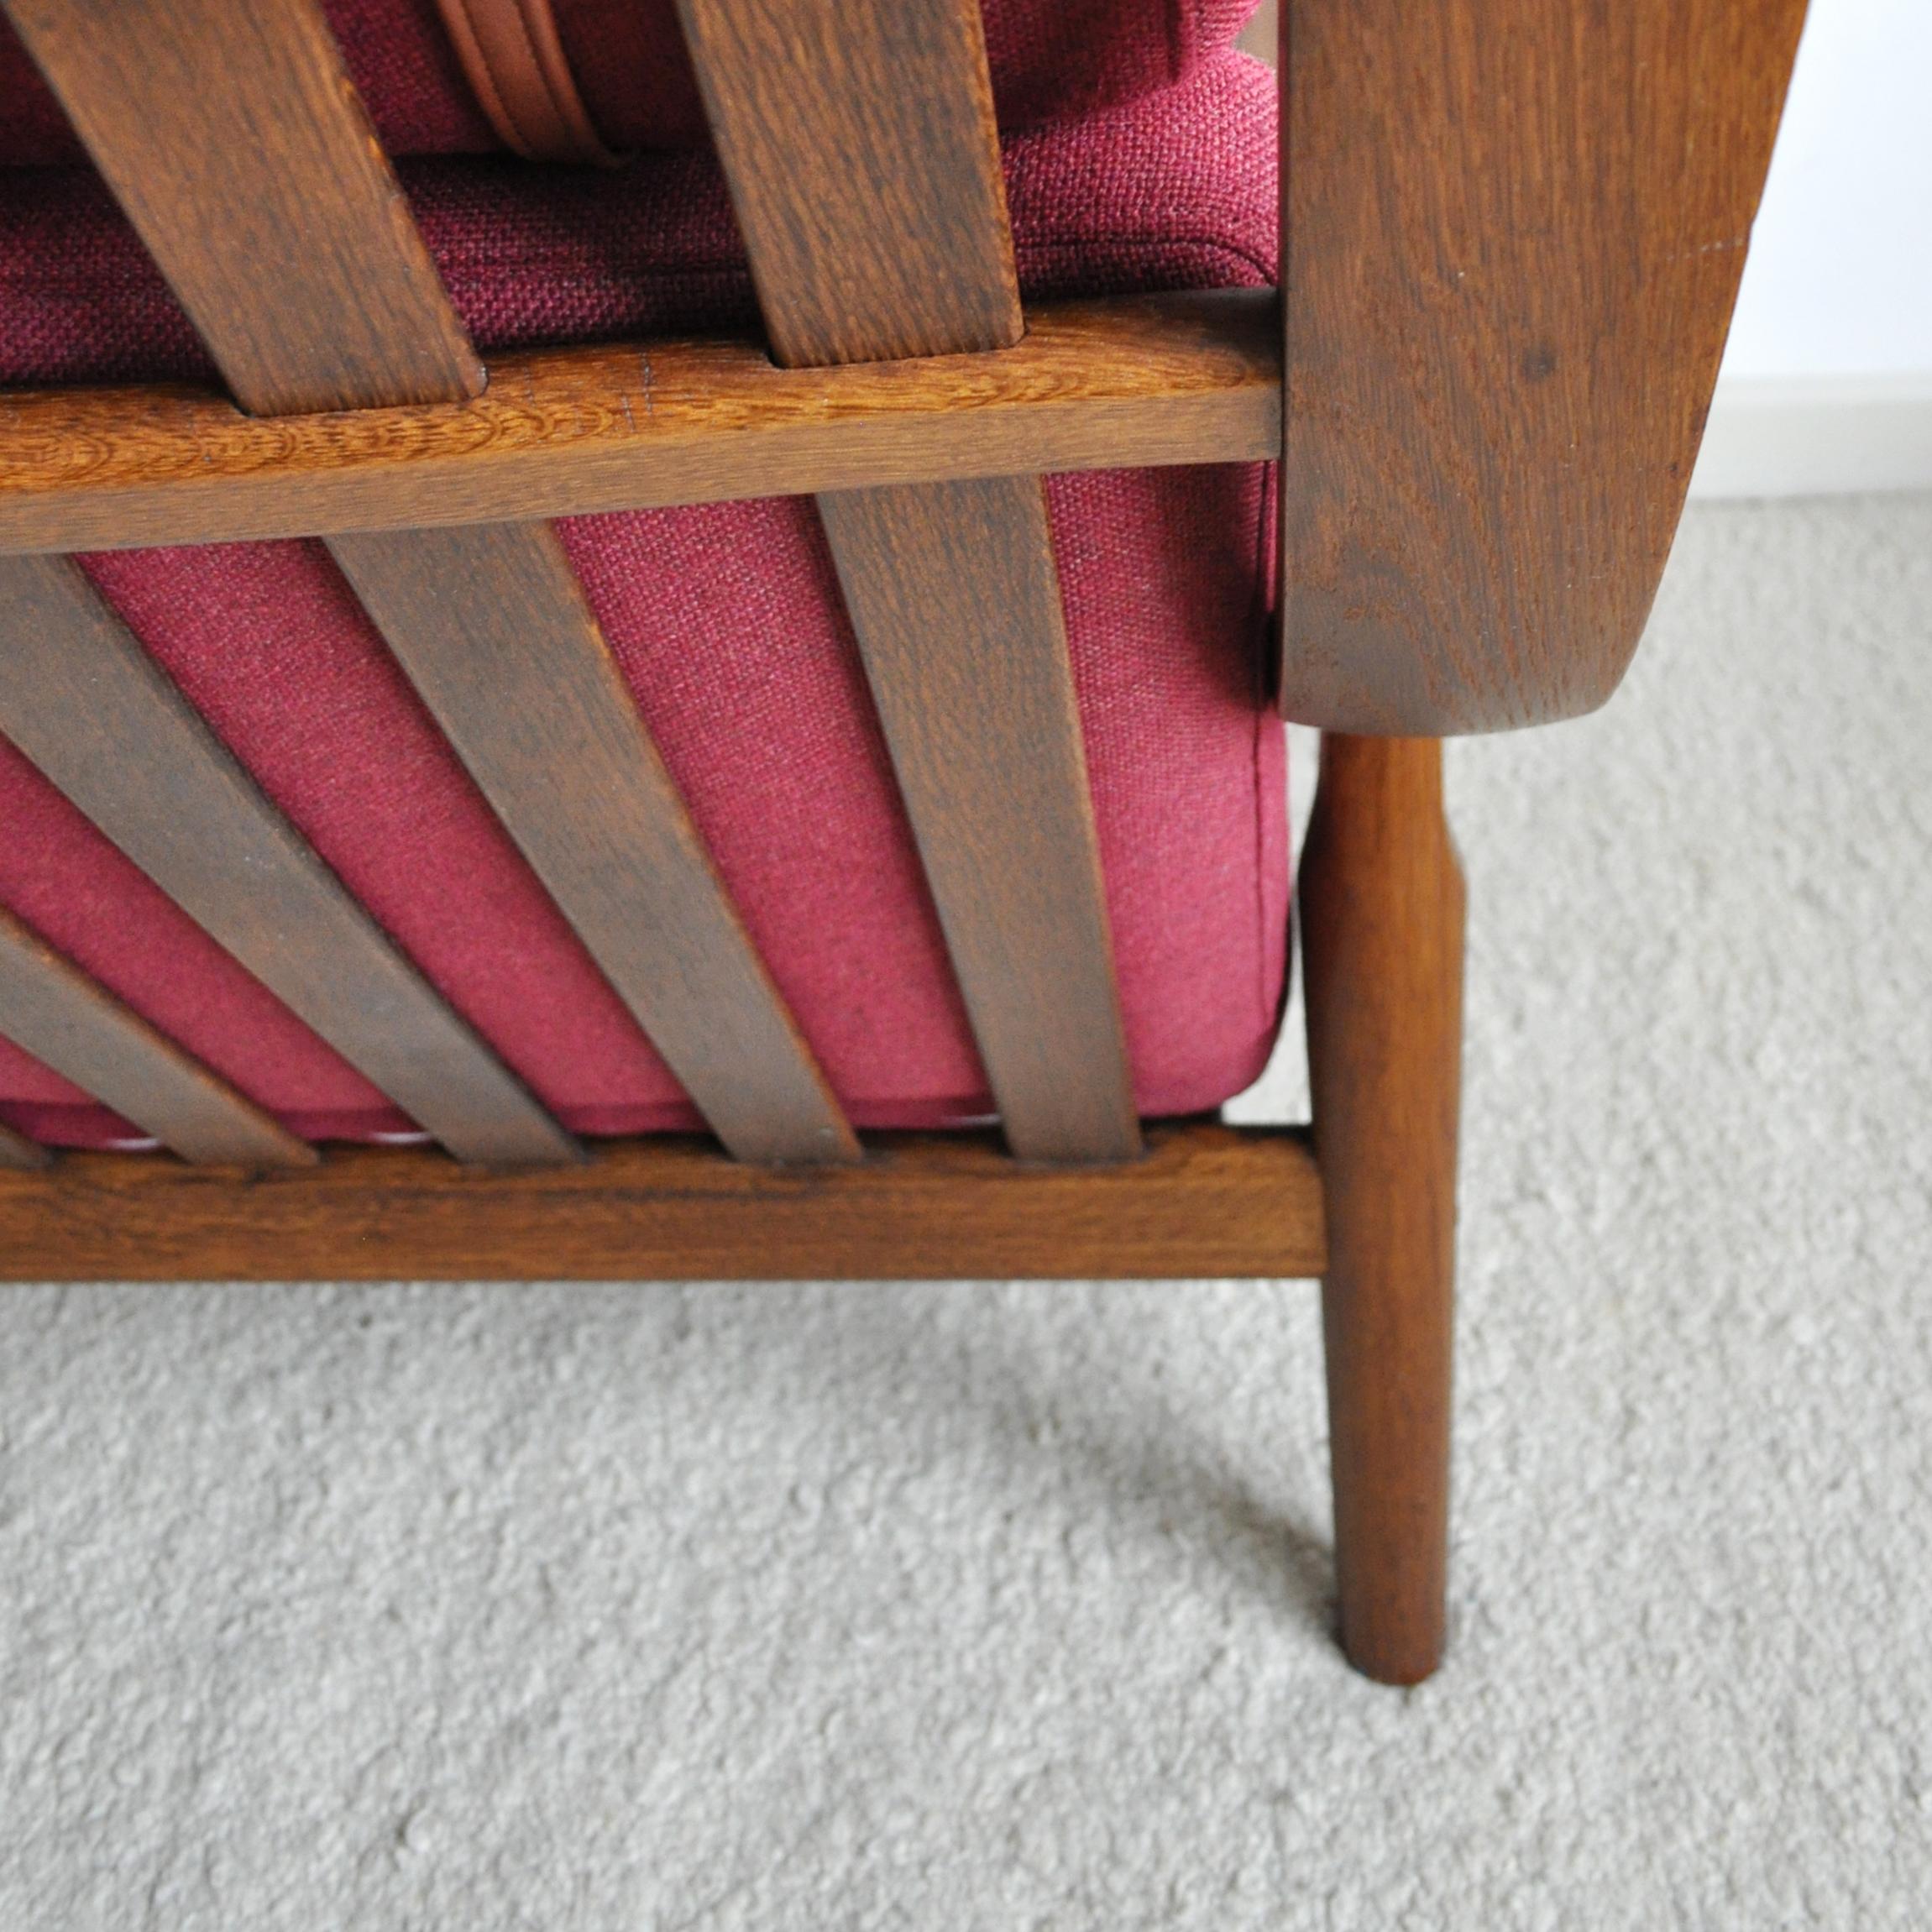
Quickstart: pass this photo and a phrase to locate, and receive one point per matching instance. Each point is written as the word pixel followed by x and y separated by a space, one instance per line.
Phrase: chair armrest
pixel 1512 235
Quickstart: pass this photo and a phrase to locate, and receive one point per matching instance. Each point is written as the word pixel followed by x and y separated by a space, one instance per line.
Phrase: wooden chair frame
pixel 1512 234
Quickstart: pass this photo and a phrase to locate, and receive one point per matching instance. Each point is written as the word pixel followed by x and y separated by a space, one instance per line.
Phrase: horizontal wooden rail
pixel 1204 1201
pixel 1140 380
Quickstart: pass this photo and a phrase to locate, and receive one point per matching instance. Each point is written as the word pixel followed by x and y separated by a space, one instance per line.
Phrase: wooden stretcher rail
pixel 1205 1200
pixel 1141 380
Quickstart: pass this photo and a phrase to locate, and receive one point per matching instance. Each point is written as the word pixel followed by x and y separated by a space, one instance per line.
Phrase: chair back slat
pixel 17 1151
pixel 490 625
pixel 859 142
pixel 83 700
pixel 64 1019
pixel 330 193
pixel 234 141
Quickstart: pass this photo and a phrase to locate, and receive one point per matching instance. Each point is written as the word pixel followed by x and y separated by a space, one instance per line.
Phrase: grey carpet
pixel 1006 1606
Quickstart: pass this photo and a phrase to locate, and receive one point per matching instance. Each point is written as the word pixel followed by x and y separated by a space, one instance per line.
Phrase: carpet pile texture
pixel 999 1605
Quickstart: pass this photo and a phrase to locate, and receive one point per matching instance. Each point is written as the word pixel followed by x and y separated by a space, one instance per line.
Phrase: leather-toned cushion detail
pixel 1050 59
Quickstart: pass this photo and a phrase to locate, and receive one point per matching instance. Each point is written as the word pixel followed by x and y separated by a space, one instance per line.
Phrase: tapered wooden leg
pixel 1381 897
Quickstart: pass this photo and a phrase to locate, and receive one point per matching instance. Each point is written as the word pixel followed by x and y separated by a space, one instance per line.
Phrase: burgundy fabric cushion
pixel 1050 59
pixel 727 623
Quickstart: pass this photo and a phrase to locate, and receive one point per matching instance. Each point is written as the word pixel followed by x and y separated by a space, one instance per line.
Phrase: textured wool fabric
pixel 727 622
pixel 1050 59
pixel 990 1606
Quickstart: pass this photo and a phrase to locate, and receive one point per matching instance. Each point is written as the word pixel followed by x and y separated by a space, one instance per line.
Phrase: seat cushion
pixel 728 624
pixel 1050 59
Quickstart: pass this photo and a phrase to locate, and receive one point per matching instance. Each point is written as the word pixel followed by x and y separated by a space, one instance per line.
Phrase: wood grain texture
pixel 1381 898
pixel 1512 237
pixel 51 1008
pixel 1207 1202
pixel 496 611
pixel 954 600
pixel 233 140
pixel 83 699
pixel 863 160
pixel 17 1151
pixel 1127 382
pixel 858 139
pixel 494 633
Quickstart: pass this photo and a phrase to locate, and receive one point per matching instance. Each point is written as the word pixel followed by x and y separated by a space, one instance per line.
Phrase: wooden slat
pixel 860 146
pixel 1513 235
pixel 232 137
pixel 83 699
pixel 62 1018
pixel 984 737
pixel 17 1151
pixel 1137 380
pixel 1207 1202
pixel 491 626
pixel 857 135
pixel 276 339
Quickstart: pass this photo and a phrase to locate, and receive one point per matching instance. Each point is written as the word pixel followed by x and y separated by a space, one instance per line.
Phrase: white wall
pixel 1827 382
pixel 1840 278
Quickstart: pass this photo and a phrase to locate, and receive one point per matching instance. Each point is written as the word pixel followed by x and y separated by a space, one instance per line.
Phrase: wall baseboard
pixel 1816 436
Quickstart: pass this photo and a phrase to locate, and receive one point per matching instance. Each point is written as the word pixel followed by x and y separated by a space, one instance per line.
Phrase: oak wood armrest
pixel 1512 231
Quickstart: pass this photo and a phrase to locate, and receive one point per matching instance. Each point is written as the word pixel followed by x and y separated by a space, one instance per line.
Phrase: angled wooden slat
pixel 83 699
pixel 53 1010
pixel 932 578
pixel 1208 1201
pixel 232 137
pixel 490 623
pixel 276 339
pixel 1512 235
pixel 857 135
pixel 859 142
pixel 1135 380
pixel 17 1151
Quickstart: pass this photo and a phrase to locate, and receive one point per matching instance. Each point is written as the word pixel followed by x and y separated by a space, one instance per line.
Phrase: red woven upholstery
pixel 728 624
pixel 1050 59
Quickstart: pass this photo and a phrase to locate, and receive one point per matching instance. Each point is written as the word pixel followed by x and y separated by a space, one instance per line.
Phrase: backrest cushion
pixel 1050 59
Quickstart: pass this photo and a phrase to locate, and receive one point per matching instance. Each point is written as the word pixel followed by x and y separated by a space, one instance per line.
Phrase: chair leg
pixel 1381 899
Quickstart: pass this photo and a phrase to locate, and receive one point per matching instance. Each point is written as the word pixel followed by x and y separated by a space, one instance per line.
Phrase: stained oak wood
pixel 17 1151
pixel 83 699
pixel 1512 239
pixel 1206 1201
pixel 954 600
pixel 855 135
pixel 1381 897
pixel 61 1017
pixel 233 140
pixel 493 631
pixel 492 620
pixel 1186 378
pixel 860 146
